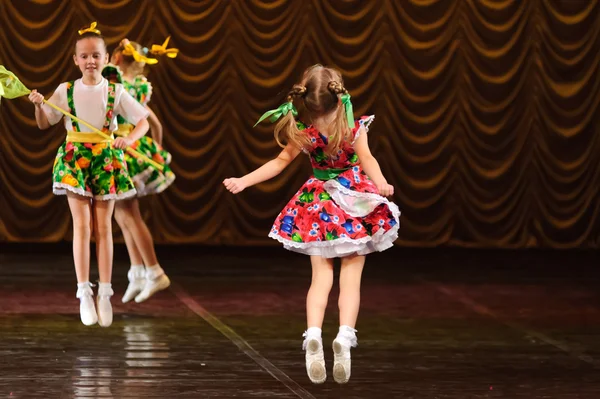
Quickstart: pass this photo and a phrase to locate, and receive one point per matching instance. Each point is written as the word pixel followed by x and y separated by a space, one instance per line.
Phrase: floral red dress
pixel 338 211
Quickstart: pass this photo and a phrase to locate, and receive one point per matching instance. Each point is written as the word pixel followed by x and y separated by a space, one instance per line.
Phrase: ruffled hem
pixel 356 204
pixel 62 188
pixel 119 72
pixel 140 181
pixel 341 247
pixel 155 187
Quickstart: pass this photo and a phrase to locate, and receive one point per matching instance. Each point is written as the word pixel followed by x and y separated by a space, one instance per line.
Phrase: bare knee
pixel 102 228
pixel 82 227
pixel 103 225
pixel 123 216
pixel 323 280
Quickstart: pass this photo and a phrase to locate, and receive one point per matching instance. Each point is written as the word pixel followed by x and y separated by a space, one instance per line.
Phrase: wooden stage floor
pixel 440 323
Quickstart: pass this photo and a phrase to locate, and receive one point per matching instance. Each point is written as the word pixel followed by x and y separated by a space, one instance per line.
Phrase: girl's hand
pixel 122 143
pixel 234 184
pixel 36 98
pixel 385 189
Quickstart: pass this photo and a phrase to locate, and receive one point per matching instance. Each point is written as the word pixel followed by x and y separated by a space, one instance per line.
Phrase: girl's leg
pixel 82 229
pixel 349 299
pixel 318 294
pixel 121 209
pixel 103 211
pixel 316 303
pixel 156 280
pixel 128 215
pixel 349 304
pixel 137 273
pixel 81 213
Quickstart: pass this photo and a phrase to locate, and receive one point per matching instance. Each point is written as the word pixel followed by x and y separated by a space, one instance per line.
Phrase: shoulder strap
pixel 71 102
pixel 110 105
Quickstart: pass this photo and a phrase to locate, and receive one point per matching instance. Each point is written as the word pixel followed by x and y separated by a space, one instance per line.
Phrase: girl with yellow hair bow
pixel 146 277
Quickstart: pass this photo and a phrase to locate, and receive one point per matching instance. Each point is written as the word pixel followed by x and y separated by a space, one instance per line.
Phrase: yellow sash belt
pixel 86 137
pixel 124 129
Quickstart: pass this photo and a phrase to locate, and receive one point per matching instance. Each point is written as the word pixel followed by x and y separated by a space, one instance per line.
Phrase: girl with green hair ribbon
pixel 340 212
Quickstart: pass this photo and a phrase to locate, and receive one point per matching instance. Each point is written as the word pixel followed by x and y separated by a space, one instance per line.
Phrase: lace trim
pixel 85 290
pixel 364 123
pixel 105 290
pixel 348 337
pixel 62 188
pixel 119 71
pixel 136 274
pixel 382 240
pixel 128 194
pixel 141 177
pixel 155 187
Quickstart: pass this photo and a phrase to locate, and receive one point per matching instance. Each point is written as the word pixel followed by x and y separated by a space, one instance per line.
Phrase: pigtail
pixel 286 129
pixel 339 131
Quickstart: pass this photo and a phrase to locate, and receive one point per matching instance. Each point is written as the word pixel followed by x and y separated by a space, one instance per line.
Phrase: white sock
pixel 347 336
pixel 138 268
pixel 153 272
pixel 105 289
pixel 84 289
pixel 136 272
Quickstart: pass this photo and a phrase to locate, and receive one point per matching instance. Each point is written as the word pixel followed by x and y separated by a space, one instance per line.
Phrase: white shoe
pixel 315 361
pixel 87 310
pixel 105 313
pixel 137 281
pixel 345 340
pixel 152 286
pixel 341 362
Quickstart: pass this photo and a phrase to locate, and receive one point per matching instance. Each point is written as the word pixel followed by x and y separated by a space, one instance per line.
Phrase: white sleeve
pixel 128 107
pixel 59 98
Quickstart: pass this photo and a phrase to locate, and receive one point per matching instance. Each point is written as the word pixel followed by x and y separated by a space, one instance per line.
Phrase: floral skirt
pixel 94 170
pixel 338 217
pixel 147 179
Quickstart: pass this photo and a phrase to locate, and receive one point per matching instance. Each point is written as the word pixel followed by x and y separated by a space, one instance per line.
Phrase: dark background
pixel 486 112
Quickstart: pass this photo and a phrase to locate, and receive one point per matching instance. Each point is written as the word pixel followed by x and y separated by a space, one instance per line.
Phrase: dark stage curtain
pixel 486 112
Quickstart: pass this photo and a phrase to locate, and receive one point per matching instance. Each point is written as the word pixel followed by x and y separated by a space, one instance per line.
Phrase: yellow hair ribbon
pixel 163 50
pixel 131 51
pixel 92 29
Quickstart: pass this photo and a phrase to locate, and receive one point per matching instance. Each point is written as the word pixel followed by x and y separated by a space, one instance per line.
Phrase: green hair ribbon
pixel 277 113
pixel 349 111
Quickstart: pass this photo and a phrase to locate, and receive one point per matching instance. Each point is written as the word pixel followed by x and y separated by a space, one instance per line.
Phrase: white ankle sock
pixel 314 332
pixel 154 271
pixel 347 336
pixel 83 289
pixel 138 270
pixel 105 289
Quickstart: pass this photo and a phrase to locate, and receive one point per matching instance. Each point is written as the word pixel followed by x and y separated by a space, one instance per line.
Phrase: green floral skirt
pixel 147 179
pixel 94 170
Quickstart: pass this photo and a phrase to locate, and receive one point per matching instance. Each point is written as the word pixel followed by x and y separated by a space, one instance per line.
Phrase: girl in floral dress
pixel 340 212
pixel 88 168
pixel 127 66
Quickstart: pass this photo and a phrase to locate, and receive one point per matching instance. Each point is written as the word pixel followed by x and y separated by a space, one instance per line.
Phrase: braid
pixel 297 91
pixel 337 87
pixel 339 125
